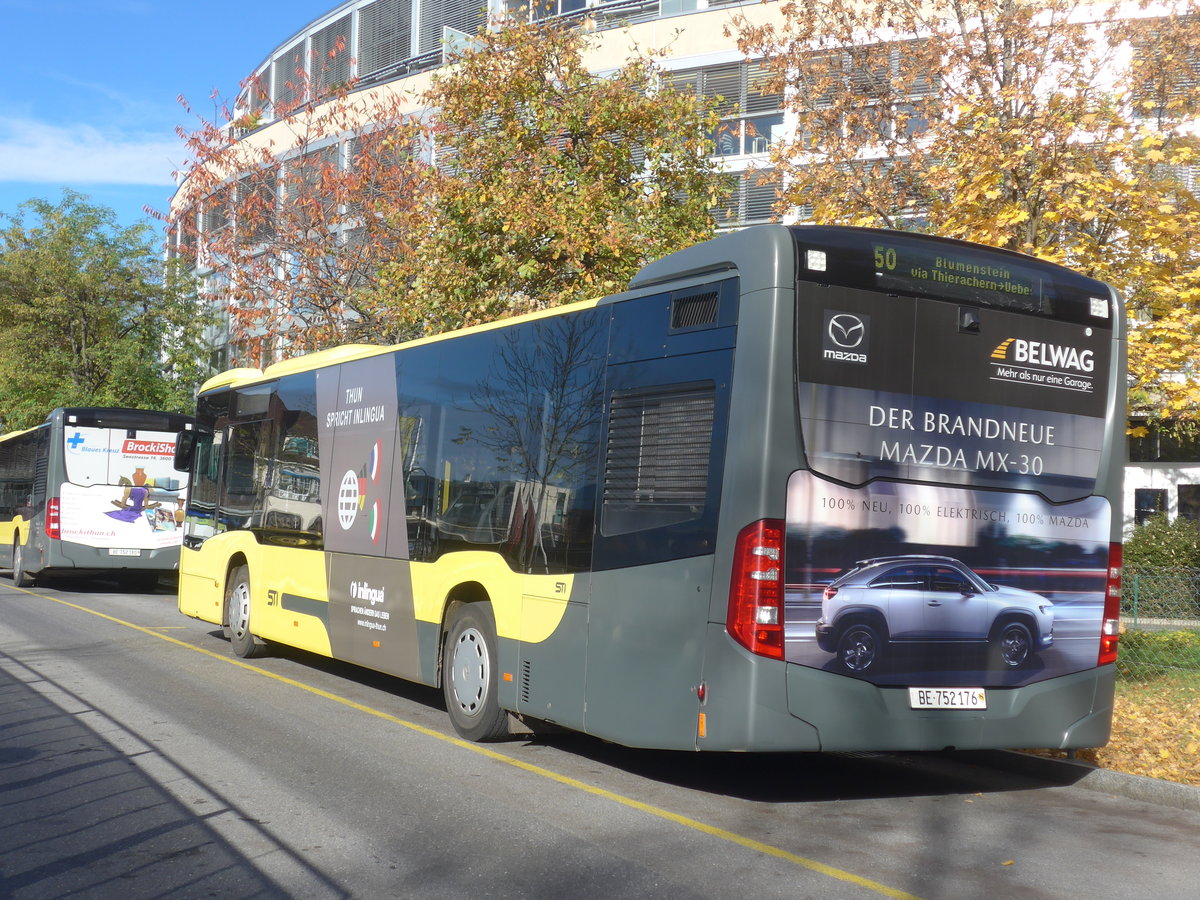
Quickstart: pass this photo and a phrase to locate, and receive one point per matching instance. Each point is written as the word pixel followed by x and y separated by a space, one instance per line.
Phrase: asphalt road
pixel 139 758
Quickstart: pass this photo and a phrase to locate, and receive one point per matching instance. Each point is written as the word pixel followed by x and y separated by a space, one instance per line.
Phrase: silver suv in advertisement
pixel 928 599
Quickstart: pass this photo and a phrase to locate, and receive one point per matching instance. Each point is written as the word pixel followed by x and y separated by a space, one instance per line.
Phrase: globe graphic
pixel 347 502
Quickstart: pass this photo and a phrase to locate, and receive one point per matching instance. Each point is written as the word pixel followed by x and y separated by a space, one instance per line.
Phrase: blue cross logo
pixel 75 442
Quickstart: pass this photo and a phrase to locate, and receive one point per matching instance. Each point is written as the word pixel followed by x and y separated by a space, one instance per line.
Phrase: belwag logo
pixel 846 337
pixel 1050 356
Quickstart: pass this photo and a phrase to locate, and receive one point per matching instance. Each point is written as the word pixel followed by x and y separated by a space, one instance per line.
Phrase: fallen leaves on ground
pixel 1156 732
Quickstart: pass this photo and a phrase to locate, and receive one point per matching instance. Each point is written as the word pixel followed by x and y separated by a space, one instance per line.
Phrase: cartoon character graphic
pixel 133 502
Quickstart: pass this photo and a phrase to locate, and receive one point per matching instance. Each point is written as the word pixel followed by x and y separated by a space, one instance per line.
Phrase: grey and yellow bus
pixel 798 488
pixel 92 490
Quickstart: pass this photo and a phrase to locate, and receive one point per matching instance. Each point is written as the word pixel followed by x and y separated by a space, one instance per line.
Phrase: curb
pixel 1133 787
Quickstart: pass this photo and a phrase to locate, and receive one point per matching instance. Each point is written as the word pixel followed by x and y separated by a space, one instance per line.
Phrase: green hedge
pixel 1148 653
pixel 1161 544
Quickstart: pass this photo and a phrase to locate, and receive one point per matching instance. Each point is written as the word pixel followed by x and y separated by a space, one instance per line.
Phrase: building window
pixel 384 35
pixel 467 16
pixel 290 79
pixel 751 116
pixel 1164 443
pixel 1189 501
pixel 752 199
pixel 330 65
pixel 1148 502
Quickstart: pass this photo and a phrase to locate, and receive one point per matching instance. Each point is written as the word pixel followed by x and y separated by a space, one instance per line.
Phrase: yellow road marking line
pixel 694 824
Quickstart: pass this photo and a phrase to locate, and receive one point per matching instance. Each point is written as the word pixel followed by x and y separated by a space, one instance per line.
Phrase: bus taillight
pixel 1110 629
pixel 755 617
pixel 53 522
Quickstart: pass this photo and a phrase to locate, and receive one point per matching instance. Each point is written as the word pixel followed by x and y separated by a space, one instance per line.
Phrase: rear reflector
pixel 755 618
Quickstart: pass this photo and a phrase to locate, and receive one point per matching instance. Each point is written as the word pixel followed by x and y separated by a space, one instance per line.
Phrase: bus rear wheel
pixel 1014 645
pixel 469 678
pixel 237 615
pixel 858 648
pixel 20 577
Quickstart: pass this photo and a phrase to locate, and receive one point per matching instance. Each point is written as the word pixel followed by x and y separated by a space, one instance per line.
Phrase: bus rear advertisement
pixel 93 490
pixel 798 488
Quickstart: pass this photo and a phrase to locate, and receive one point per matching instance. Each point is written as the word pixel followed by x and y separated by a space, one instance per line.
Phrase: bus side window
pixel 291 502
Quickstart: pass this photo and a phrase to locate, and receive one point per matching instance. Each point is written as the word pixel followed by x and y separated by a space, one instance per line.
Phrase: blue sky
pixel 88 89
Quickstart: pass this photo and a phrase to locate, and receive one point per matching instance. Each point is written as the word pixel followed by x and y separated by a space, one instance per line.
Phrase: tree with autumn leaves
pixel 1059 129
pixel 297 228
pixel 517 180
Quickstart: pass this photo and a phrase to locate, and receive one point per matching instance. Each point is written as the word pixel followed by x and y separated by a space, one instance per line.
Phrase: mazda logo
pixel 846 330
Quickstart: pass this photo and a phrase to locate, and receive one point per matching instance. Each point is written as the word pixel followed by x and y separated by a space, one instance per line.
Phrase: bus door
pixel 666 406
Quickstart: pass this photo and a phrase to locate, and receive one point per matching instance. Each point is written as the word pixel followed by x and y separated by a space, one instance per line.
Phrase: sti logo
pixel 846 337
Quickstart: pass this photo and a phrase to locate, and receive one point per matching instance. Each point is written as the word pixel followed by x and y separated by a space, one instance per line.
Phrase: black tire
pixel 1013 645
pixel 470 680
pixel 858 648
pixel 237 615
pixel 20 577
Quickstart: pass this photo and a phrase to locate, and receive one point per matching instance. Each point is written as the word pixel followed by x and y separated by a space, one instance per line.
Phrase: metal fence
pixel 1160 619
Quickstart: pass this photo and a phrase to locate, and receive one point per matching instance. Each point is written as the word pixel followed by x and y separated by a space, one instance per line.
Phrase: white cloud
pixel 32 151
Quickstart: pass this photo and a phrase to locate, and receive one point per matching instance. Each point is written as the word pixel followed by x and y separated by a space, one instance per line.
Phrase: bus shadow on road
pixel 821 777
pixel 163 585
pixel 86 814
pixel 762 777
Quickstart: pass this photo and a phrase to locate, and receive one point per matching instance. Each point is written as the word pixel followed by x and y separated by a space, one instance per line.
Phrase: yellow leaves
pixel 1156 731
pixel 1012 216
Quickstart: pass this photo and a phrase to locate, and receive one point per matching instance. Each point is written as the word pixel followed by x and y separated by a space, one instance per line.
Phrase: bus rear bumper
pixel 759 704
pixel 1067 712
pixel 69 558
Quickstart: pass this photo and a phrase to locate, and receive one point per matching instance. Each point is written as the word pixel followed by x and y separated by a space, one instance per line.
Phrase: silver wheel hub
pixel 239 610
pixel 470 671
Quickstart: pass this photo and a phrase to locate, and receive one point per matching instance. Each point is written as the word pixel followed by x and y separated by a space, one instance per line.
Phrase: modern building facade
pixel 395 45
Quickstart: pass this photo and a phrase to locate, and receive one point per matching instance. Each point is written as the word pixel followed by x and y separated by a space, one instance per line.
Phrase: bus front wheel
pixel 20 577
pixel 469 680
pixel 237 615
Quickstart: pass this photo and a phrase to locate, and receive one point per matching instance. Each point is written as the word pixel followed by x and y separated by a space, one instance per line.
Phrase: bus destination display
pixel 957 275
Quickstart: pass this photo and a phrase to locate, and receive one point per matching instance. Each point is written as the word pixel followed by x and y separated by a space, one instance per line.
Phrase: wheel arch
pixel 236 560
pixel 462 594
pixel 1007 616
pixel 867 615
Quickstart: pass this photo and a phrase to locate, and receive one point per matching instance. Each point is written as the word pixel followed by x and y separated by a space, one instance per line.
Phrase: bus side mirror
pixel 185 449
